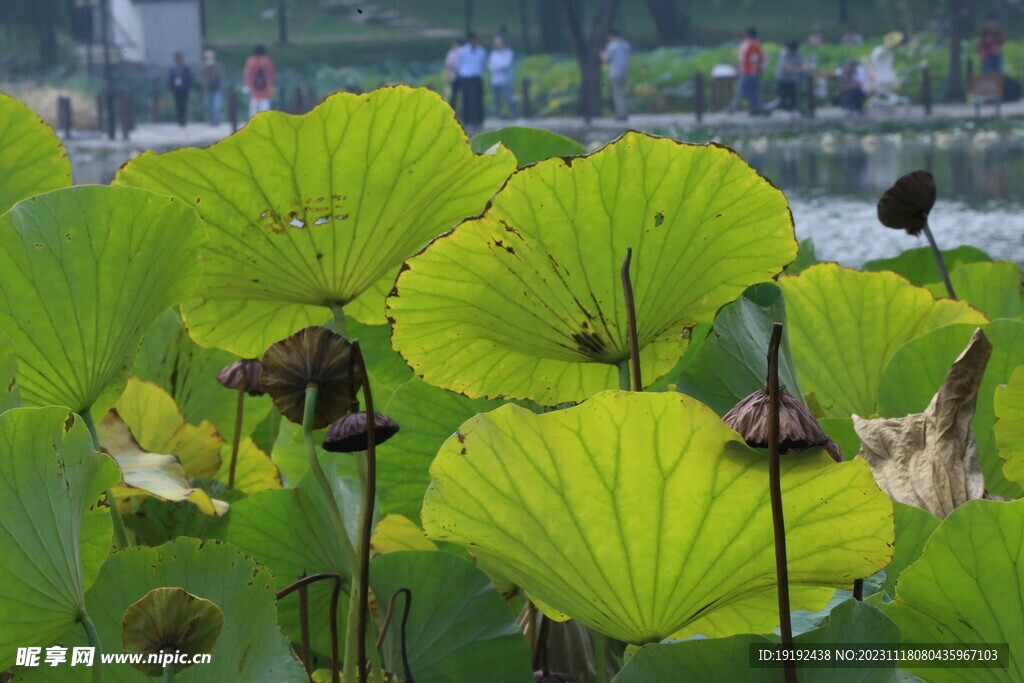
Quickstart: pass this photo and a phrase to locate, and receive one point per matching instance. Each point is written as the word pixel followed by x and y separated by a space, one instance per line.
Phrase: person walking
pixel 259 80
pixel 213 75
pixel 751 66
pixel 499 66
pixel 990 46
pixel 789 74
pixel 451 73
pixel 471 61
pixel 616 56
pixel 179 81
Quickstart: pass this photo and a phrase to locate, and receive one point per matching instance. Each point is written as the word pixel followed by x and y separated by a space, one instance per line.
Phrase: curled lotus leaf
pixel 640 514
pixel 539 313
pixel 170 620
pixel 320 209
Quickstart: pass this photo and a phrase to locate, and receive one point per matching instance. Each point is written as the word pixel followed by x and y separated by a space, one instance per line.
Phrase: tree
pixel 958 18
pixel 587 46
pixel 671 25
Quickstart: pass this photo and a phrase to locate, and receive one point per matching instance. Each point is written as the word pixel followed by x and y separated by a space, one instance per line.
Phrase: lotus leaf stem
pixel 335 592
pixel 93 636
pixel 239 407
pixel 368 475
pixel 120 532
pixel 340 323
pixel 938 261
pixel 600 652
pixel 405 619
pixel 168 676
pixel 775 486
pixel 634 345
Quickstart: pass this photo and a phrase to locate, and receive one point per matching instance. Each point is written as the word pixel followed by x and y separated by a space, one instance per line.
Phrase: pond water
pixel 834 180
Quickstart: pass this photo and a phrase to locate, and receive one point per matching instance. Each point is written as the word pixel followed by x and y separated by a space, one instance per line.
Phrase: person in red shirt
pixel 990 46
pixel 751 66
pixel 259 79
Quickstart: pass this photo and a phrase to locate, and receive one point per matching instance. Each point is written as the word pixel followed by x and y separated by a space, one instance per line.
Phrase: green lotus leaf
pixel 994 288
pixel 727 659
pixel 845 326
pixel 967 587
pixel 10 397
pixel 734 361
pixel 1009 428
pixel 170 620
pixel 917 369
pixel 638 514
pixel 914 526
pixel 250 647
pixel 459 627
pixel 254 471
pixel 86 270
pixel 32 160
pixel 319 210
pixel 530 145
pixel 284 529
pixel 53 535
pixel 918 265
pixel 188 372
pixel 805 257
pixel 539 312
pixel 395 532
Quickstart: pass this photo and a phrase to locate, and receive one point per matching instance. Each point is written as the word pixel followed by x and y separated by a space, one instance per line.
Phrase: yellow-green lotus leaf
pixel 32 160
pixel 320 209
pixel 845 326
pixel 254 472
pixel 967 588
pixel 1009 429
pixel 395 532
pixel 526 301
pixel 85 271
pixel 639 514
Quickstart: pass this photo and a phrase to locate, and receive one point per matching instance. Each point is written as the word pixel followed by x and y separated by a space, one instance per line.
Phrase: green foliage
pixel 1009 428
pixel 913 528
pixel 530 145
pixel 918 265
pixel 32 161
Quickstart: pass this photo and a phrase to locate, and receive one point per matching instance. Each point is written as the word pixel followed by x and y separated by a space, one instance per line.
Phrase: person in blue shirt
pixel 472 59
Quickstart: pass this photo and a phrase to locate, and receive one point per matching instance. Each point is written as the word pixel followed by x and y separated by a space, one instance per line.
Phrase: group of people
pixel 257 77
pixel 465 65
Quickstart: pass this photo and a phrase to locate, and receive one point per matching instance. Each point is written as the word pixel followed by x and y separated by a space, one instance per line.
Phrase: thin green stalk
pixel 368 487
pixel 239 408
pixel 120 532
pixel 624 375
pixel 938 261
pixel 169 674
pixel 309 409
pixel 340 323
pixel 600 654
pixel 93 636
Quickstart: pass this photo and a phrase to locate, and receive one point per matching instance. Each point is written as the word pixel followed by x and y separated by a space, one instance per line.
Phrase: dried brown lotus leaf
pixel 930 459
pixel 798 428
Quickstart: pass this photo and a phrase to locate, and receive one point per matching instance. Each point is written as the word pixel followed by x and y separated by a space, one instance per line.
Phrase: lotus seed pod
pixel 349 433
pixel 313 356
pixel 906 205
pixel 243 374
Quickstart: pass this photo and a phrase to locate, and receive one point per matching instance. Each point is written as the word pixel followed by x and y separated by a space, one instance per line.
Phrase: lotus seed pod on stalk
pixel 243 374
pixel 349 432
pixel 798 428
pixel 906 205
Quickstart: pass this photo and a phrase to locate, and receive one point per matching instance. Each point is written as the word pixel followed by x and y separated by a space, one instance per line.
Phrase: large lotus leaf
pixel 32 160
pixel 530 145
pixel 638 514
pixel 728 659
pixel 459 627
pixel 250 647
pixel 319 210
pixel 1009 428
pixel 143 473
pixel 53 536
pixel 805 257
pixel 85 271
pixel 254 471
pixel 914 527
pixel 395 532
pixel 967 587
pixel 733 363
pixel 917 369
pixel 188 372
pixel 845 326
pixel 526 301
pixel 10 397
pixel 285 529
pixel 918 265
pixel 993 288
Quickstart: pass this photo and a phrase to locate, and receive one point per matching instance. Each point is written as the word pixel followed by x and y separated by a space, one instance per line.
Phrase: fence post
pixel 698 96
pixel 926 90
pixel 812 102
pixel 124 115
pixel 233 108
pixel 300 104
pixel 527 107
pixel 101 119
pixel 64 115
pixel 155 112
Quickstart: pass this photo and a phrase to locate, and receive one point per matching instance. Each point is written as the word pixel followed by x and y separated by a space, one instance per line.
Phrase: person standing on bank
pixel 616 56
pixel 751 66
pixel 990 46
pixel 471 61
pixel 213 75
pixel 179 81
pixel 259 79
pixel 499 65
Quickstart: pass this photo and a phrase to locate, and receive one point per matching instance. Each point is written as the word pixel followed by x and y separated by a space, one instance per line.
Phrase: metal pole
pixel 698 96
pixel 926 90
pixel 108 86
pixel 282 23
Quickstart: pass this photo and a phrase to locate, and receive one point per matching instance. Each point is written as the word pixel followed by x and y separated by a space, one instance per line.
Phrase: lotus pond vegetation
pixel 348 396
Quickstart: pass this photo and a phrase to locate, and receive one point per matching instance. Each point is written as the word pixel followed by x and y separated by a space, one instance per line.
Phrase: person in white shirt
pixel 616 56
pixel 470 66
pixel 499 65
pixel 451 72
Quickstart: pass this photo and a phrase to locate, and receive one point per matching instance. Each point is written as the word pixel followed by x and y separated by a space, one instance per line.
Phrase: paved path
pixel 164 136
